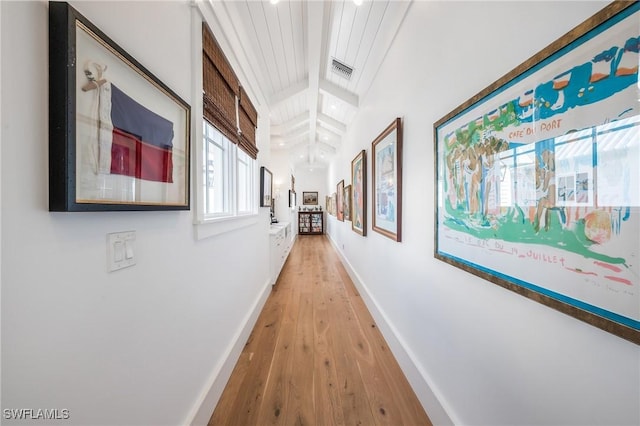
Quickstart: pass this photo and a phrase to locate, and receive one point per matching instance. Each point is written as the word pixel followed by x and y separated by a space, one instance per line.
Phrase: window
pixel 226 150
pixel 228 176
pixel 217 171
pixel 245 166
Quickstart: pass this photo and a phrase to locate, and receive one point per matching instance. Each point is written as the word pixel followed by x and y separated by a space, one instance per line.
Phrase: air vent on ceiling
pixel 343 70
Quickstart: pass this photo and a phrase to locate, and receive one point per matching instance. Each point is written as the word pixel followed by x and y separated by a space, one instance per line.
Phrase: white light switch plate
pixel 120 250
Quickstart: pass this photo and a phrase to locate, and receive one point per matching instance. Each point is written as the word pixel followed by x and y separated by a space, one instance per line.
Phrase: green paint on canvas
pixel 514 227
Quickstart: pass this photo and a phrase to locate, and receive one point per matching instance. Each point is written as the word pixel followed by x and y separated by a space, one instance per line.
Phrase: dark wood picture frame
pixel 266 187
pixel 98 160
pixel 347 208
pixel 310 198
pixel 386 153
pixel 334 204
pixel 359 193
pixel 340 201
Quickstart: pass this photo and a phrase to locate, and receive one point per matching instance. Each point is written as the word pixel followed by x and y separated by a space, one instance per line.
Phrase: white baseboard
pixel 202 410
pixel 417 377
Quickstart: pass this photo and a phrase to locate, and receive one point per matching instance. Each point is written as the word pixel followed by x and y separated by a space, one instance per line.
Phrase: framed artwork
pixel 118 137
pixel 334 204
pixel 386 150
pixel 359 193
pixel 327 204
pixel 347 202
pixel 292 199
pixel 309 198
pixel 538 176
pixel 340 201
pixel 293 183
pixel 266 187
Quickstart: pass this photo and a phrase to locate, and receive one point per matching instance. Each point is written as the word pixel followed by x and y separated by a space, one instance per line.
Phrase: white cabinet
pixel 281 240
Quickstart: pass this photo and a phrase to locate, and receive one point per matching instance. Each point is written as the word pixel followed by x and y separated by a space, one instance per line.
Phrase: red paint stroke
pixel 521 256
pixel 580 271
pixel 617 279
pixel 608 266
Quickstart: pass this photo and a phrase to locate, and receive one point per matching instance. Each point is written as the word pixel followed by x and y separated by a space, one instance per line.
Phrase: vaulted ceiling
pixel 289 49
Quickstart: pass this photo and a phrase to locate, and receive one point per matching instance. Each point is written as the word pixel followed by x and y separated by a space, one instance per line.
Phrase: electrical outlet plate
pixel 120 250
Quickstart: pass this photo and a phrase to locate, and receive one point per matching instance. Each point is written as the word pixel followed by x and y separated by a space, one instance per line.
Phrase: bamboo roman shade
pixel 248 117
pixel 226 104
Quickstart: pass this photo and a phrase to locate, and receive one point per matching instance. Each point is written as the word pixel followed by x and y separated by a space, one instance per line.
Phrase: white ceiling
pixel 288 48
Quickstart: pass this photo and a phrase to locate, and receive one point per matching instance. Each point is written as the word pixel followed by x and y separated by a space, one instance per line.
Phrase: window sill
pixel 213 227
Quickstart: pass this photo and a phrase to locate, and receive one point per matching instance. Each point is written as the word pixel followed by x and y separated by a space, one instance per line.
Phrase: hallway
pixel 315 355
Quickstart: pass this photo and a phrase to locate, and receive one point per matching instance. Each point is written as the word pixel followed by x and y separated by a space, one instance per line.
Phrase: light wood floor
pixel 315 356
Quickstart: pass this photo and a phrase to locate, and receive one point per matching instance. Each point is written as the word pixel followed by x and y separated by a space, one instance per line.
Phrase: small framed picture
pixel 266 187
pixel 310 198
pixel 359 193
pixel 340 201
pixel 347 202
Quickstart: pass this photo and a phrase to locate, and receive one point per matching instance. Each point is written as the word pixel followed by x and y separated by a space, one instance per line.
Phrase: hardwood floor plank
pixel 327 395
pixel 315 356
pixel 301 400
pixel 241 399
pixel 355 404
pixel 398 385
pixel 374 388
pixel 273 407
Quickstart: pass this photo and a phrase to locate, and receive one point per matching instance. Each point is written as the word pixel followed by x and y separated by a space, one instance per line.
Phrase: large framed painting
pixel 386 150
pixel 359 193
pixel 340 201
pixel 538 176
pixel 266 187
pixel 118 136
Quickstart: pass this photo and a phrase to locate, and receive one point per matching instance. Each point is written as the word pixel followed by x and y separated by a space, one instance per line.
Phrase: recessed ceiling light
pixel 281 143
pixel 276 1
pixel 356 2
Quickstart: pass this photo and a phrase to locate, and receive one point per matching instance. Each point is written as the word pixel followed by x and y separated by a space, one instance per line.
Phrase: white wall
pixel 282 170
pixel 312 180
pixel 138 346
pixel 490 356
